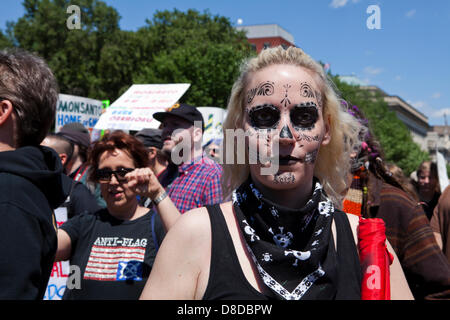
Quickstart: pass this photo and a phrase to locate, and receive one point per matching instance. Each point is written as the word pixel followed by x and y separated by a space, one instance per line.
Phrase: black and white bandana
pixel 293 250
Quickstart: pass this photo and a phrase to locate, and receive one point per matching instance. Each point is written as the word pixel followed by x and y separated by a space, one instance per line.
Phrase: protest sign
pixel 213 117
pixel 60 271
pixel 135 108
pixel 77 109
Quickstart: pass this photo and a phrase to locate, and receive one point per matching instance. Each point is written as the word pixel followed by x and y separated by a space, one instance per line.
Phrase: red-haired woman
pixel 114 248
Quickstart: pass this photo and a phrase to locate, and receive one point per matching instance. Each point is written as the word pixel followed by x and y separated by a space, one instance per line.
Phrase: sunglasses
pixel 267 116
pixel 104 175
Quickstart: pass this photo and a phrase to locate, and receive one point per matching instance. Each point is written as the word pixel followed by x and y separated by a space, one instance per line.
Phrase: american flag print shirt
pixel 116 259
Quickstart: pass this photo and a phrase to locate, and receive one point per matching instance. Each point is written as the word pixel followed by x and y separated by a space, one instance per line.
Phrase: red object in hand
pixel 375 260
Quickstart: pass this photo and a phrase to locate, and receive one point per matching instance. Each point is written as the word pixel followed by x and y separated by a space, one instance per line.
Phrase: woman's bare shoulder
pixel 354 223
pixel 192 225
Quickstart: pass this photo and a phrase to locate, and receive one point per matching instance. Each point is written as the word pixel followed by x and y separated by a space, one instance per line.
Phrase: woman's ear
pixel 6 108
pixel 327 136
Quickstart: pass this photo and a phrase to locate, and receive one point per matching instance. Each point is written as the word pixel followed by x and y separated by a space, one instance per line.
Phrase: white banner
pixel 442 170
pixel 77 109
pixel 135 108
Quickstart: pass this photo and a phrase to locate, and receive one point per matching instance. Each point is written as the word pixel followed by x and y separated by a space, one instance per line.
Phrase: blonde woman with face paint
pixel 282 235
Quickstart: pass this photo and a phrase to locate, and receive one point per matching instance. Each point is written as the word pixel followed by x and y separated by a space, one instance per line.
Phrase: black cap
pixel 150 137
pixel 181 110
pixel 76 133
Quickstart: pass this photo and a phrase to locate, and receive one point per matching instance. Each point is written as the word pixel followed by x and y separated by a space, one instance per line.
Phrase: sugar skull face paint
pixel 290 115
pixel 267 116
pixel 304 116
pixel 263 89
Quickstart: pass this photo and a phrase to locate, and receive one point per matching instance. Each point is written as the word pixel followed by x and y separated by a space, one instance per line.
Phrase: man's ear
pixel 6 109
pixel 64 158
pixel 151 153
pixel 197 135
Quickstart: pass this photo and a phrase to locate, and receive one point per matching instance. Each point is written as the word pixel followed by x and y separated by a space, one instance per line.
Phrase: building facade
pixel 415 121
pixel 438 138
pixel 266 36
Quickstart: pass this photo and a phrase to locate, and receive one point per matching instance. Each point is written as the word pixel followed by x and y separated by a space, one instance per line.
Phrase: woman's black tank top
pixel 227 281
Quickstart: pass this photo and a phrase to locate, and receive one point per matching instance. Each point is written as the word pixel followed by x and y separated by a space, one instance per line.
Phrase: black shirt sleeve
pixel 74 227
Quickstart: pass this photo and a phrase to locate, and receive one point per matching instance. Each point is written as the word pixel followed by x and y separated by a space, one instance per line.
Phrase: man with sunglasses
pixel 30 175
pixel 198 181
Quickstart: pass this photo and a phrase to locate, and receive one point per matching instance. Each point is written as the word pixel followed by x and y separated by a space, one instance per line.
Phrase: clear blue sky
pixel 409 56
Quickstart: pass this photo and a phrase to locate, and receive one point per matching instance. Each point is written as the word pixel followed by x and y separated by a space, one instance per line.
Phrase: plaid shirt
pixel 197 184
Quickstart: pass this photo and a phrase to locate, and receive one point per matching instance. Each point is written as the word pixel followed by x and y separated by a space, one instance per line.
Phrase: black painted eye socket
pixel 264 117
pixel 304 116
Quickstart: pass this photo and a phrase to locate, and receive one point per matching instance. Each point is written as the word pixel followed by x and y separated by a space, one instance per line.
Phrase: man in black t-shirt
pixel 76 166
pixel 80 199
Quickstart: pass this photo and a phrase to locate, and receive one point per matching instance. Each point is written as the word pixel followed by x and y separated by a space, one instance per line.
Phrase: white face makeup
pixel 284 106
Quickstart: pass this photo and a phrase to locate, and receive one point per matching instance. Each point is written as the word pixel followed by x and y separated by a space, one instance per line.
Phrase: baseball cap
pixel 181 110
pixel 76 133
pixel 150 137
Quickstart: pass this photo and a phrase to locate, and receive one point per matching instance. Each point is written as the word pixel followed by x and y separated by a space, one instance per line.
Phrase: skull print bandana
pixel 293 250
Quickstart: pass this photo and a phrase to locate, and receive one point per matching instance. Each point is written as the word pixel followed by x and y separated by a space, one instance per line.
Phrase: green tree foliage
pixel 4 41
pixel 101 61
pixel 195 48
pixel 73 54
pixel 394 137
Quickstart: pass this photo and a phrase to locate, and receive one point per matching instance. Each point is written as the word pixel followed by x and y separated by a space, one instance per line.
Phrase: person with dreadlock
pixel 376 193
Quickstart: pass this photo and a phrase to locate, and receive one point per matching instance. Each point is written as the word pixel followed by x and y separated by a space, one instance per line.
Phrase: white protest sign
pixel 442 171
pixel 135 108
pixel 60 271
pixel 213 117
pixel 77 109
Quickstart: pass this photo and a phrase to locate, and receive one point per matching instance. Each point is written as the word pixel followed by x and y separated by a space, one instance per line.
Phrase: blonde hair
pixel 333 161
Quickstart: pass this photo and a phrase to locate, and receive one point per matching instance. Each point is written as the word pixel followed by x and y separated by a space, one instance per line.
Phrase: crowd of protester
pixel 144 226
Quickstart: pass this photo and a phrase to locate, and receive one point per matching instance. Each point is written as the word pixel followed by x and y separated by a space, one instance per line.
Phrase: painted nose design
pixel 286 133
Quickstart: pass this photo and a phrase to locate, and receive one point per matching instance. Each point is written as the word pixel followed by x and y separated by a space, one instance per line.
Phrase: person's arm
pixel 440 222
pixel 434 224
pixel 64 246
pixel 399 285
pixel 181 260
pixel 69 233
pixel 144 182
pixel 423 261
